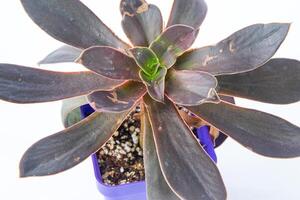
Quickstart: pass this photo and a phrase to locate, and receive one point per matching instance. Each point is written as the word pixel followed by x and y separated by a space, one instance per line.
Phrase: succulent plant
pixel 160 72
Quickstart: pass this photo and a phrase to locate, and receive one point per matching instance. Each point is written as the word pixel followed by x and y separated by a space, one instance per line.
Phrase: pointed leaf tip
pixel 188 12
pixel 260 132
pixel 64 150
pixel 71 22
pixel 243 51
pixel 21 84
pixel 141 22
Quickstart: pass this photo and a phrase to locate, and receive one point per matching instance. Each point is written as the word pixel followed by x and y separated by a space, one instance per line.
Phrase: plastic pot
pixel 137 190
pixel 129 191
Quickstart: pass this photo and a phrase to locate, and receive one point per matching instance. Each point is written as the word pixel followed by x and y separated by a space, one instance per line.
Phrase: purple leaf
pixel 177 148
pixel 188 12
pixel 191 88
pixel 118 100
pixel 141 22
pixel 243 51
pixel 20 84
pixel 277 81
pixel 156 87
pixel 260 132
pixel 71 146
pixel 61 55
pixel 172 43
pixel 110 63
pixel 157 187
pixel 71 22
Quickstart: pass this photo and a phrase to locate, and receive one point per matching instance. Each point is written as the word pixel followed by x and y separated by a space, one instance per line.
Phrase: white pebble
pixel 119 157
pixel 127 148
pixel 105 151
pixel 135 139
pixel 116 133
pixel 122 152
pixel 121 169
pixel 131 128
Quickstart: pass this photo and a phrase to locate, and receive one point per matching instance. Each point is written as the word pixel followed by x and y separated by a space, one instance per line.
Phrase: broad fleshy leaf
pixel 172 43
pixel 258 131
pixel 222 137
pixel 188 12
pixel 243 51
pixel 71 22
pixel 71 146
pixel 277 81
pixel 146 59
pixel 119 99
pixel 20 84
pixel 142 22
pixel 110 63
pixel 63 54
pixel 177 148
pixel 189 88
pixel 156 87
pixel 157 187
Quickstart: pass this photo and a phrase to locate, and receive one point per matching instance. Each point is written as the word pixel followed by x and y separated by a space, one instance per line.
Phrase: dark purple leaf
pixel 157 187
pixel 71 22
pixel 68 148
pixel 243 51
pixel 186 167
pixel 258 131
pixel 277 81
pixel 156 87
pixel 141 22
pixel 61 55
pixel 172 43
pixel 20 84
pixel 222 137
pixel 119 99
pixel 189 88
pixel 110 63
pixel 188 12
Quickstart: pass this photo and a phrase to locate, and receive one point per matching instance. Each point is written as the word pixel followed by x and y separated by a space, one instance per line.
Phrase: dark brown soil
pixel 121 158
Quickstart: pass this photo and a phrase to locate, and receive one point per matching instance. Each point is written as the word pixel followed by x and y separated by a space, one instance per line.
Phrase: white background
pixel 247 175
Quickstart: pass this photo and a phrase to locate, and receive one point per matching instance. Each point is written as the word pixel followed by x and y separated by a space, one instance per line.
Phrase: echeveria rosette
pixel 160 72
